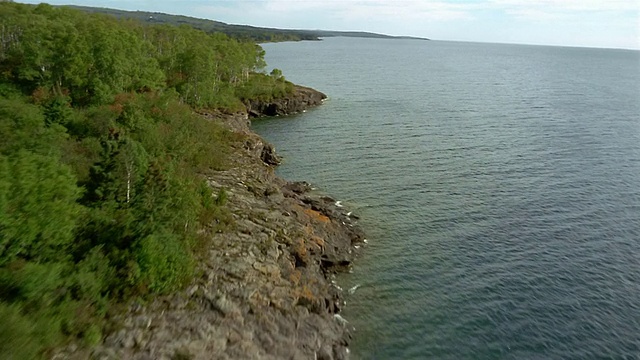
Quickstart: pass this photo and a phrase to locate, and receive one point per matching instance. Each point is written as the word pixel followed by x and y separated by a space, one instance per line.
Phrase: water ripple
pixel 498 185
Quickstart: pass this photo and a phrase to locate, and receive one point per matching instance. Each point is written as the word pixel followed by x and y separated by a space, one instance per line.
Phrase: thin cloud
pixel 537 15
pixel 562 6
pixel 349 10
pixel 407 10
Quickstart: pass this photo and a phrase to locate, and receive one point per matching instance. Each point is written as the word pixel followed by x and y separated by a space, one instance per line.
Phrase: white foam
pixel 340 319
pixel 339 203
pixel 353 289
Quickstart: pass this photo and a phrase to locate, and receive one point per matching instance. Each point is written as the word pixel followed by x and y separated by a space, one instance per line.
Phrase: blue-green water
pixel 499 186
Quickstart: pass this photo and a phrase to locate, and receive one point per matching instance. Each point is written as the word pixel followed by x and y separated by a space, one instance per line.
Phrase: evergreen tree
pixel 39 209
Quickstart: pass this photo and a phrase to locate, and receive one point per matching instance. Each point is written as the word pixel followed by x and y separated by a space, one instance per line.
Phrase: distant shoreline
pixel 258 34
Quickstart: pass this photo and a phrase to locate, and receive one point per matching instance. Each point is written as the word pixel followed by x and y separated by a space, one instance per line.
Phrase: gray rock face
pixel 264 289
pixel 302 99
pixel 268 155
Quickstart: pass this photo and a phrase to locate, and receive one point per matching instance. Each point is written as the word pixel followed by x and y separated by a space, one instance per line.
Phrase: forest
pixel 256 34
pixel 246 32
pixel 103 163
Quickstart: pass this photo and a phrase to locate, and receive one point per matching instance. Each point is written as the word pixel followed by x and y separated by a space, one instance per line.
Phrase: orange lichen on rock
pixel 305 292
pixel 316 215
pixel 295 276
pixel 300 251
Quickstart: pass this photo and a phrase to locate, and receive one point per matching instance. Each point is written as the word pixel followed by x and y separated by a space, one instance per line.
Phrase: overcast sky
pixel 592 23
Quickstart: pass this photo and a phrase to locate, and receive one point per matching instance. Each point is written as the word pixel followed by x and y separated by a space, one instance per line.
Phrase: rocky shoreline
pixel 265 289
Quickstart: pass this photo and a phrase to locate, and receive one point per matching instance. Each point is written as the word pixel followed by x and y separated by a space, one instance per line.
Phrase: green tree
pixel 39 209
pixel 58 111
pixel 115 178
pixel 102 193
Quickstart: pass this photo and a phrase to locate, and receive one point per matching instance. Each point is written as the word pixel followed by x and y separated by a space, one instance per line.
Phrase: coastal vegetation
pixel 103 158
pixel 245 32
pixel 209 26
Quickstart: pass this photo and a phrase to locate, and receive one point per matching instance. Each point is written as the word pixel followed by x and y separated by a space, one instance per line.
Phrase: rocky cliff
pixel 301 99
pixel 265 288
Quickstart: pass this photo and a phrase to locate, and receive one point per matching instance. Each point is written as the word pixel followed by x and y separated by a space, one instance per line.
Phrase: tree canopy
pixel 102 162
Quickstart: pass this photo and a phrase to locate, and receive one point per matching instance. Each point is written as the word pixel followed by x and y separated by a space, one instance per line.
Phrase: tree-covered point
pixel 102 161
pixel 258 34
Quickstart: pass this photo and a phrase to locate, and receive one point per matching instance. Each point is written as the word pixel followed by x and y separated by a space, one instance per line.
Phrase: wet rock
pixel 335 264
pixel 268 155
pixel 296 188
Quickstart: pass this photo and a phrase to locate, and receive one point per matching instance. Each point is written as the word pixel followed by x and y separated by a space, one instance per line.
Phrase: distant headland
pixel 258 34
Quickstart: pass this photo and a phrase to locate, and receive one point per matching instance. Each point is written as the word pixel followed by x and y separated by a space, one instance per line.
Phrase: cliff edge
pixel 265 287
pixel 301 99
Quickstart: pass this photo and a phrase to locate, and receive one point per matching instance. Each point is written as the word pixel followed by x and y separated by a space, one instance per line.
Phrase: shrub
pixel 16 335
pixel 164 262
pixel 42 198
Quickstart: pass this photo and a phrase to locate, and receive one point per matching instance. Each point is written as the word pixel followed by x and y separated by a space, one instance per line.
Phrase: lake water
pixel 499 186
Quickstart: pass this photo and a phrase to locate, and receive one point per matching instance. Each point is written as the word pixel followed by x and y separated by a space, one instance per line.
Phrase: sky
pixel 588 23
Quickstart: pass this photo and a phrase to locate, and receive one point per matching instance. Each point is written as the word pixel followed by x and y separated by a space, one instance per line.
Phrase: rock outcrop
pixel 302 99
pixel 265 289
